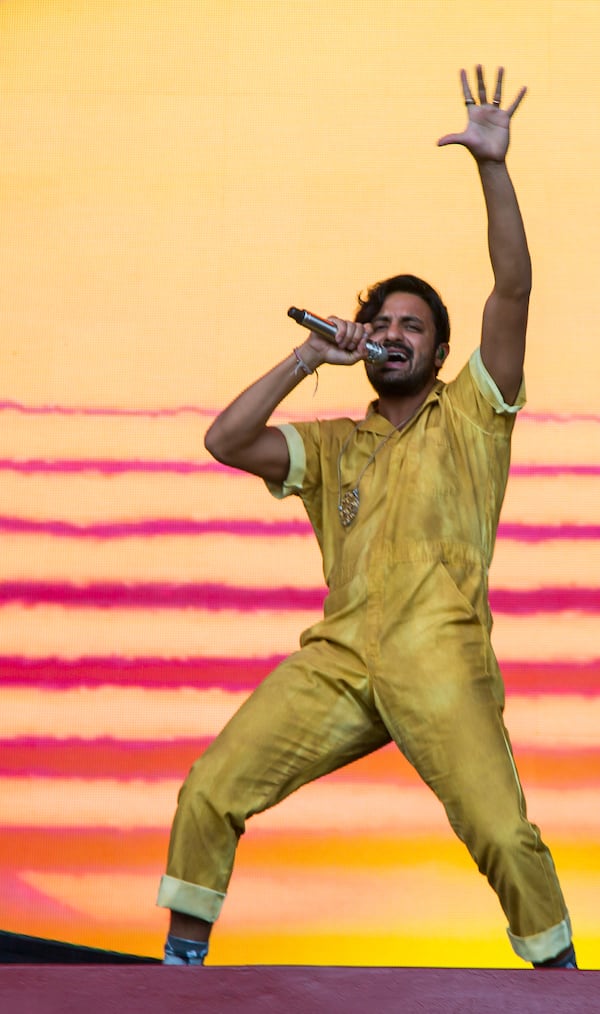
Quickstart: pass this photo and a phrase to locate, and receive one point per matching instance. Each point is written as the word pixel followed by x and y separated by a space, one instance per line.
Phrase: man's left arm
pixel 505 313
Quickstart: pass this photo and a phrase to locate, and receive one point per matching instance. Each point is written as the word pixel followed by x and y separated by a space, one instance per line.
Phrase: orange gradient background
pixel 173 177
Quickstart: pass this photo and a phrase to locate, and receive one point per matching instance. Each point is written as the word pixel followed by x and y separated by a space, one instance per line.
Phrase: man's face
pixel 404 325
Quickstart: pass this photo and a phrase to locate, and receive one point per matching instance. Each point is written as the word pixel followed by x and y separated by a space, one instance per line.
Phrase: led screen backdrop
pixel 174 176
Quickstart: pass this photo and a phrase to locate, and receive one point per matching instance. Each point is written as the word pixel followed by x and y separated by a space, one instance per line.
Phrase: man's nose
pixel 393 331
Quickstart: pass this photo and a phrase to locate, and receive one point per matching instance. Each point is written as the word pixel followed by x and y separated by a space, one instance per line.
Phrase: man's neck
pixel 398 410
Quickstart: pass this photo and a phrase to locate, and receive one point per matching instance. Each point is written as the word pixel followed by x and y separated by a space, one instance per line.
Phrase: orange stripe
pixel 566 721
pixel 323 806
pixel 81 848
pixel 544 767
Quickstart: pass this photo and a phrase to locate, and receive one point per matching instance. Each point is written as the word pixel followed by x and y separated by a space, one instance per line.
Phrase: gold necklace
pixel 349 502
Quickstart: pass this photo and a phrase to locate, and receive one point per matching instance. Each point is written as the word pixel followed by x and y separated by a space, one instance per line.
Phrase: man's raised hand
pixel 487 133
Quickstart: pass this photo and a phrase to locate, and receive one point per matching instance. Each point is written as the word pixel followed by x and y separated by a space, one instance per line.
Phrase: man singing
pixel 405 505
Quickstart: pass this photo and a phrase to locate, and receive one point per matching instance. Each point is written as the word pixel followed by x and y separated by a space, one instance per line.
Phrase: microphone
pixel 376 352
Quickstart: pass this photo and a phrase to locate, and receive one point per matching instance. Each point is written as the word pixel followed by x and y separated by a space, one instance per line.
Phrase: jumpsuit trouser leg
pixel 442 700
pixel 468 762
pixel 311 715
pixel 321 709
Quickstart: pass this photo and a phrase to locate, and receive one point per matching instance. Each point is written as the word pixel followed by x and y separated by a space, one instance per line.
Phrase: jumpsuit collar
pixel 375 423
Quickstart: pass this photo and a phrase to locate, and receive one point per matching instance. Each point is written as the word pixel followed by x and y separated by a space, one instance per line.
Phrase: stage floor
pixel 108 989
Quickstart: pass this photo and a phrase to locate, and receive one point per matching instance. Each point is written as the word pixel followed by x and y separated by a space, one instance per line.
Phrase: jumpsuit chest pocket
pixel 426 501
pixel 429 467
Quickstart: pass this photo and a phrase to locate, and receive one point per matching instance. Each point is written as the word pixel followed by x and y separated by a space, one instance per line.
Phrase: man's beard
pixel 393 382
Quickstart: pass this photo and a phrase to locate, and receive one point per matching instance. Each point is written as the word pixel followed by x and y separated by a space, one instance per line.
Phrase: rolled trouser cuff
pixel 189 899
pixel 543 946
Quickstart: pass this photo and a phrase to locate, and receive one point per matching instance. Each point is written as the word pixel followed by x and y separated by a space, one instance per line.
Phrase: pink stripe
pixel 23 904
pixel 157 527
pixel 151 413
pixel 558 417
pixel 547 533
pixel 157 413
pixel 156 760
pixel 107 466
pixel 111 466
pixel 545 600
pixel 542 471
pixel 547 678
pixel 235 674
pixel 104 757
pixel 250 529
pixel 113 595
pixel 228 673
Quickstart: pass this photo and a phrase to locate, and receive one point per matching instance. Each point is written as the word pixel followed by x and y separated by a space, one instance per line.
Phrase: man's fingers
pixel 481 85
pixel 517 102
pixel 450 139
pixel 498 93
pixel 467 94
pixel 481 92
pixel 349 333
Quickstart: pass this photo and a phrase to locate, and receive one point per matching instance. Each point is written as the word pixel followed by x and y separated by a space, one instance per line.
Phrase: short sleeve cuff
pixel 489 389
pixel 295 477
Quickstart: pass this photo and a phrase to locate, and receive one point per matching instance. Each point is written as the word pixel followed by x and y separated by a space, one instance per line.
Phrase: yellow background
pixel 173 176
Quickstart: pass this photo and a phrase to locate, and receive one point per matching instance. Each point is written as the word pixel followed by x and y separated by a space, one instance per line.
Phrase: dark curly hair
pixel 370 305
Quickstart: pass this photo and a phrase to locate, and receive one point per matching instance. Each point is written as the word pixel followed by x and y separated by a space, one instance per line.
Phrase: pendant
pixel 348 507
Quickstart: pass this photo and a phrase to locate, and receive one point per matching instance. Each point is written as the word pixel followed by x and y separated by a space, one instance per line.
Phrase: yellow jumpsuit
pixel 402 653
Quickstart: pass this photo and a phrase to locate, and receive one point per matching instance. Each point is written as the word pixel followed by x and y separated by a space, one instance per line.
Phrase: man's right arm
pixel 240 436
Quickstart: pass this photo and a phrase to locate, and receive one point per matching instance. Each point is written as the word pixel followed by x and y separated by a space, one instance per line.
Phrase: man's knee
pixel 210 797
pixel 490 832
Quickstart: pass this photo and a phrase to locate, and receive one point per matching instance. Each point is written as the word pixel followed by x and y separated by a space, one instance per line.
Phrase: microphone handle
pixel 376 352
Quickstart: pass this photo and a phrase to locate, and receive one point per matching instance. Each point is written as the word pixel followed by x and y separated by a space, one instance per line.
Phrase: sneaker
pixel 184 952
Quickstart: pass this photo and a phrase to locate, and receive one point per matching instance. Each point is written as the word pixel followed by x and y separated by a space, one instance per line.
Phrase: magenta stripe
pixel 547 533
pixel 108 466
pixel 102 757
pixel 543 471
pixel 158 413
pixel 113 466
pixel 545 600
pixel 251 529
pixel 235 674
pixel 118 467
pixel 155 760
pixel 216 597
pixel 114 595
pixel 558 417
pixel 155 527
pixel 226 672
pixel 65 410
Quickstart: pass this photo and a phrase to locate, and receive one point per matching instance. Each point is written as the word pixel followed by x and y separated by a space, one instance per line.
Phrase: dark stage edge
pixel 20 949
pixel 44 989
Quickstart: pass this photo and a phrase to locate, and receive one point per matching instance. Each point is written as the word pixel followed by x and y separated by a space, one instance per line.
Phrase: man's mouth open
pixel 398 354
